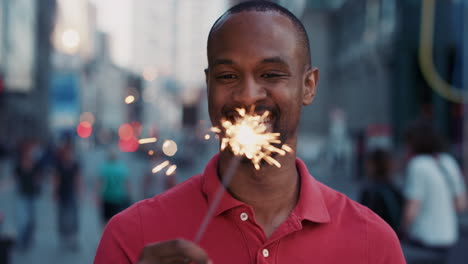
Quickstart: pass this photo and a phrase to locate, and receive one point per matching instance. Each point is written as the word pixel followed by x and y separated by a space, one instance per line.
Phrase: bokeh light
pixel 137 128
pixel 84 129
pixel 87 117
pixel 126 132
pixel 129 99
pixel 70 40
pixel 150 73
pixel 171 170
pixel 128 145
pixel 169 148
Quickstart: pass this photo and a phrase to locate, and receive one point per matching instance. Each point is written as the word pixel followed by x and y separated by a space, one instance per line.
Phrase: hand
pixel 177 251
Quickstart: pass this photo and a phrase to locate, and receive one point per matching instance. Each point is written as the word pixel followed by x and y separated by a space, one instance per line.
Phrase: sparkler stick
pixel 218 195
pixel 247 137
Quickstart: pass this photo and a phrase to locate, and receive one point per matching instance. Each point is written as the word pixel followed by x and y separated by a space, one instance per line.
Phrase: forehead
pixel 253 34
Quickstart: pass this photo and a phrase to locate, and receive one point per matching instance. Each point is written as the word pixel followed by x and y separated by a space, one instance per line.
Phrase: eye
pixel 227 76
pixel 272 75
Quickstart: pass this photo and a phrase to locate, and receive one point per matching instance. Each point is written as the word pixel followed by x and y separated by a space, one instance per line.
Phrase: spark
pixel 171 170
pixel 151 152
pixel 160 166
pixel 248 137
pixel 147 140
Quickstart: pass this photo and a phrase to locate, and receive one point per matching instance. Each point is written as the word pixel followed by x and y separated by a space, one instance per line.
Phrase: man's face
pixel 255 60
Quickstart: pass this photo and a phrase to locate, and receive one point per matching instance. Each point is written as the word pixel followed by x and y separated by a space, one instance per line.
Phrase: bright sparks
pixel 129 99
pixel 171 170
pixel 147 140
pixel 248 137
pixel 160 166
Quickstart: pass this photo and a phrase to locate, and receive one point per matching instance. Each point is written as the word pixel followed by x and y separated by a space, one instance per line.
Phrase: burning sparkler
pixel 248 137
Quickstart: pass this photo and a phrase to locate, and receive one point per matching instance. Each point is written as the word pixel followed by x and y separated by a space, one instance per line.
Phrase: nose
pixel 249 92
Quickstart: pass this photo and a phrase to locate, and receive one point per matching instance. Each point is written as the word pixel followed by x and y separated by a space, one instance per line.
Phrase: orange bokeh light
pixel 126 132
pixel 128 145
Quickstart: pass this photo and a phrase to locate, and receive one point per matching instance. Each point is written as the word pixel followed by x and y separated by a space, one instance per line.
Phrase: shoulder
pixel 448 160
pixel 154 219
pixel 381 241
pixel 420 161
pixel 121 240
pixel 175 211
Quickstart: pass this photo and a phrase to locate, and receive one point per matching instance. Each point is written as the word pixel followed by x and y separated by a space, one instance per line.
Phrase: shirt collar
pixel 311 205
pixel 211 184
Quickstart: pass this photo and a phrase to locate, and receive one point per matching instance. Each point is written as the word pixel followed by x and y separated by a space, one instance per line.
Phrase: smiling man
pixel 258 58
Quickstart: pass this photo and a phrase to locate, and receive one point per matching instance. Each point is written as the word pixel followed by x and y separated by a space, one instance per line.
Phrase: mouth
pixel 268 122
pixel 268 116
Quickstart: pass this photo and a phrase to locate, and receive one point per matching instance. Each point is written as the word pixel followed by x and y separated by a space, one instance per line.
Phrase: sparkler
pixel 247 137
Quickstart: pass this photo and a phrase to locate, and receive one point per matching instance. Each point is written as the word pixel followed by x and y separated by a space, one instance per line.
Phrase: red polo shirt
pixel 325 227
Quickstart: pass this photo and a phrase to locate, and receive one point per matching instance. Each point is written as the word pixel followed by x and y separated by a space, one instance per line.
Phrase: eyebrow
pixel 222 62
pixel 274 60
pixel 266 60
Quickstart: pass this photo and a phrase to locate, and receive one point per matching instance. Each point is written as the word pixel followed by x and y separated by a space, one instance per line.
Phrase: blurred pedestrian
pixel 67 188
pixel 339 142
pixel 28 181
pixel 113 186
pixel 434 193
pixel 6 243
pixel 380 194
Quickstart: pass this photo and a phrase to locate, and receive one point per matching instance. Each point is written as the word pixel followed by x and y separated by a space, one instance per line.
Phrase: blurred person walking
pixel 6 243
pixel 67 187
pixel 28 180
pixel 380 194
pixel 434 193
pixel 113 186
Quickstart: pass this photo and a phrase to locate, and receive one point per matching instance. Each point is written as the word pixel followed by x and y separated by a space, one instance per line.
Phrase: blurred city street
pixel 105 102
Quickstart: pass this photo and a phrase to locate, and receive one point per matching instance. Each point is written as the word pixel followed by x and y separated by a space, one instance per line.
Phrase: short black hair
pixel 267 6
pixel 423 138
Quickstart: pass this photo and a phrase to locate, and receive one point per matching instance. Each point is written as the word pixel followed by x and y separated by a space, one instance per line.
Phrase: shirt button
pixel 244 217
pixel 265 253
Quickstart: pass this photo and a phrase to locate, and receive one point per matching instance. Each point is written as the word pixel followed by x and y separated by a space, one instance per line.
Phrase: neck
pixel 272 192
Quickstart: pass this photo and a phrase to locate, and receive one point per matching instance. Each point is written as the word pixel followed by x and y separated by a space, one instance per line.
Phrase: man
pixel 258 56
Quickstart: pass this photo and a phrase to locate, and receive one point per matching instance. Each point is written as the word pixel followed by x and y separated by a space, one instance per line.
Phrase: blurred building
pixel 169 50
pixel 25 31
pixel 74 45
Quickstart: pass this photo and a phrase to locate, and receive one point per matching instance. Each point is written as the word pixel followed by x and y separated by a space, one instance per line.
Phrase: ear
pixel 310 85
pixel 206 75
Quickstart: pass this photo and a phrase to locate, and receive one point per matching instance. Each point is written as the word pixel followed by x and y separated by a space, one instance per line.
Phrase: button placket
pixel 265 253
